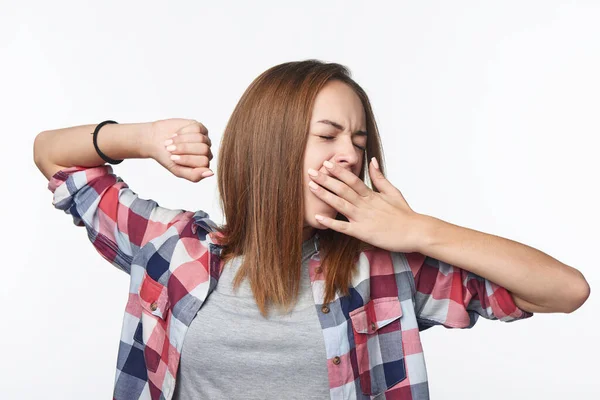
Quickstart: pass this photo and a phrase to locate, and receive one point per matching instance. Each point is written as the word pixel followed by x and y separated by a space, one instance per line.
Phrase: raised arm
pixel 119 223
pixel 58 149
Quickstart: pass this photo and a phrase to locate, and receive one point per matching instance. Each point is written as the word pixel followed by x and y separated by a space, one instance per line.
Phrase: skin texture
pixel 338 103
pixel 536 281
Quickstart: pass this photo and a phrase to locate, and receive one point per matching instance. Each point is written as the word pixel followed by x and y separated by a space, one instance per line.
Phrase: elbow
pixel 580 295
pixel 37 149
pixel 41 157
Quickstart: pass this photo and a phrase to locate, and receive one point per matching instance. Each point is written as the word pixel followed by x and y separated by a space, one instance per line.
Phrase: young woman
pixel 318 284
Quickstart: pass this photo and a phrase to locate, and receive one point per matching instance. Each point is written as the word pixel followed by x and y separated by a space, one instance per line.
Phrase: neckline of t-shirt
pixel 309 246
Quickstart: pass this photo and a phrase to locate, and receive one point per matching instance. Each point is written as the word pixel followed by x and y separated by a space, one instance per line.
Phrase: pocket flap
pixel 376 314
pixel 153 296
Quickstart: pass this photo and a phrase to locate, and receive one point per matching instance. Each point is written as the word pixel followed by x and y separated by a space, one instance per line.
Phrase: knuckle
pixel 177 172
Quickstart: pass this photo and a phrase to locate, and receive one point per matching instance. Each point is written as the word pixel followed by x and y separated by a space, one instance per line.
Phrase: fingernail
pixel 375 162
pixel 312 172
pixel 175 157
pixel 168 142
pixel 328 164
pixel 207 173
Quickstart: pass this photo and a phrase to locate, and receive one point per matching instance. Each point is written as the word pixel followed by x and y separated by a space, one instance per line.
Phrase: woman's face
pixel 337 112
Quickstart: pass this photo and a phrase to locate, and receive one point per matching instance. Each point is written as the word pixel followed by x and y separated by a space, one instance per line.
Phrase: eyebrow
pixel 341 128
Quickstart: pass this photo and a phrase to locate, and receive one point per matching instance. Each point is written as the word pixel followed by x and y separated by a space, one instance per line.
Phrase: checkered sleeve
pixel 117 221
pixel 455 298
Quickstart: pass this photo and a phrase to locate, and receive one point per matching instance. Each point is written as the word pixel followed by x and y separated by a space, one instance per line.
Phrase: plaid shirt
pixel 372 343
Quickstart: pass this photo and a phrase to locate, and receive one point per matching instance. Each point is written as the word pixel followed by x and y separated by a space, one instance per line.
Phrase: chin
pixel 328 212
pixel 313 206
pixel 318 226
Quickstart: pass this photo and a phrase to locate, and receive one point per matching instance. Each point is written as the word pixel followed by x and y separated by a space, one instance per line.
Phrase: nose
pixel 347 156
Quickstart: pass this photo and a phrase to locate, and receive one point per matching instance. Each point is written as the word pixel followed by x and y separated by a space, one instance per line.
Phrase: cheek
pixel 315 155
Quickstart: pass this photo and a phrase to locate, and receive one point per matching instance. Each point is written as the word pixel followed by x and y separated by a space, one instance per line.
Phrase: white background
pixel 489 115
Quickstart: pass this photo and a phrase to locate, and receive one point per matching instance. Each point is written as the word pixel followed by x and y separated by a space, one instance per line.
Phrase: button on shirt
pixel 371 341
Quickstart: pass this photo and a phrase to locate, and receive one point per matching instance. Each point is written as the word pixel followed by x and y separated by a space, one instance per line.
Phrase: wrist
pixel 427 227
pixel 142 134
pixel 123 141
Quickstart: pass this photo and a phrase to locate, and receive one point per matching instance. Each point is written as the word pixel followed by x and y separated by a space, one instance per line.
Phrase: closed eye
pixel 333 137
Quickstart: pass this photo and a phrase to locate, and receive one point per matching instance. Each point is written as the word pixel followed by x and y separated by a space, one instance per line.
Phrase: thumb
pixel 379 180
pixel 191 174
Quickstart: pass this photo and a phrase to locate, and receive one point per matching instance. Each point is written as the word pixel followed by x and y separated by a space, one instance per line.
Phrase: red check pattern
pixel 373 348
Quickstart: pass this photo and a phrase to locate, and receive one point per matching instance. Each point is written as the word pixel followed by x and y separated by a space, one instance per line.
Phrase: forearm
pixel 526 272
pixel 73 146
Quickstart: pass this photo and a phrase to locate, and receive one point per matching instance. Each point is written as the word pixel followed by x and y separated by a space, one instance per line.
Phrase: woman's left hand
pixel 382 219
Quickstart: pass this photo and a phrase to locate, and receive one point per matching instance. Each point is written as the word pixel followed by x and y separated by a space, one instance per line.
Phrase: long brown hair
pixel 260 184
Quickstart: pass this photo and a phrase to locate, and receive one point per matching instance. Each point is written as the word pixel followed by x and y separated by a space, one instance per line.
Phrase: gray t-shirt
pixel 232 352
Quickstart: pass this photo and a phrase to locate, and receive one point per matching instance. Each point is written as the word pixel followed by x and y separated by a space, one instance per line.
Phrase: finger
pixel 192 137
pixel 194 127
pixel 335 224
pixel 199 149
pixel 336 186
pixel 349 179
pixel 191 174
pixel 380 181
pixel 192 161
pixel 333 200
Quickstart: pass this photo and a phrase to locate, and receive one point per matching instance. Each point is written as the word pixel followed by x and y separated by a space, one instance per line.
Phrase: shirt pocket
pixel 151 331
pixel 377 328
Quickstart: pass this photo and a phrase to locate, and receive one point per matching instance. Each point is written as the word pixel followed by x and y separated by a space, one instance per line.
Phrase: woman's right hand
pixel 192 145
